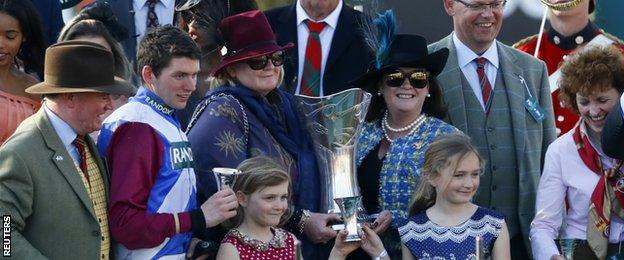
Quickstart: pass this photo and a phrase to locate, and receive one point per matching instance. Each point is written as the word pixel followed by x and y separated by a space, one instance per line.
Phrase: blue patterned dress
pixel 400 172
pixel 430 241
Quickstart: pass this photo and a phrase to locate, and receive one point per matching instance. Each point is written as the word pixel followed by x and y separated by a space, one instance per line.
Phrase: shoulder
pixel 442 43
pixel 227 249
pixel 526 43
pixel 563 144
pixel 489 213
pixel 442 126
pixel 614 38
pixel 274 13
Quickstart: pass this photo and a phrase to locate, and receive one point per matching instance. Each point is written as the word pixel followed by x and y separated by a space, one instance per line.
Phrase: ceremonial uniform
pixel 553 49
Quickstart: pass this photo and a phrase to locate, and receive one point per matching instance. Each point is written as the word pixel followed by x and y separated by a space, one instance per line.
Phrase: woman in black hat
pixel 402 120
pixel 249 115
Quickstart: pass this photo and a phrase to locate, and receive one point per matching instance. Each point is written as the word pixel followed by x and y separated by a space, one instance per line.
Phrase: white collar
pixel 138 4
pixel 331 19
pixel 62 128
pixel 465 55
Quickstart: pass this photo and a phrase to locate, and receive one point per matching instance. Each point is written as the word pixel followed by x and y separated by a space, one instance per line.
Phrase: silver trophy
pixel 334 124
pixel 226 177
pixel 349 208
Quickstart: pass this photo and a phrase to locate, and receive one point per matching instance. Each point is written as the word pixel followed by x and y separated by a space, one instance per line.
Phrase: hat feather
pixel 380 38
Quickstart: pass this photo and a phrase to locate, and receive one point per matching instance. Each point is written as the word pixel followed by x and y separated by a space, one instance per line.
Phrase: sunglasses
pixel 418 79
pixel 258 63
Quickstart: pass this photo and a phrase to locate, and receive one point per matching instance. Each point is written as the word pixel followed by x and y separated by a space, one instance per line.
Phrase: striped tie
pixel 152 18
pixel 486 88
pixel 311 77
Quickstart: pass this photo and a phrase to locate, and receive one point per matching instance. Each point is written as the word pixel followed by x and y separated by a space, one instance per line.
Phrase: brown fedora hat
pixel 80 66
pixel 247 35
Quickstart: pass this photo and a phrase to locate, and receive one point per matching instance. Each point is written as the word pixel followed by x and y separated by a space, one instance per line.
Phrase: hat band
pixel 248 47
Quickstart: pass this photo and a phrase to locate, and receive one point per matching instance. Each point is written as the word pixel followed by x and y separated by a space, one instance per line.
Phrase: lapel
pixel 346 30
pixel 451 83
pixel 287 32
pixel 516 94
pixel 62 160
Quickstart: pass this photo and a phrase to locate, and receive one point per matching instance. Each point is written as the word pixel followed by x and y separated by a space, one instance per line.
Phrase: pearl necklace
pixel 415 125
pixel 411 125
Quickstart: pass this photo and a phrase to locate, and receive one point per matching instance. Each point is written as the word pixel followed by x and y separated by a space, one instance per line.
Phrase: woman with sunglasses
pixel 402 120
pixel 249 115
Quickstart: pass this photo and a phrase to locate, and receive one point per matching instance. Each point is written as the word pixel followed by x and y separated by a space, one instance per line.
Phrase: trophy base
pixel 353 238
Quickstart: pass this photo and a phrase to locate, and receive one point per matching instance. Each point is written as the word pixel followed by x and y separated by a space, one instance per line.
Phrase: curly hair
pixel 589 70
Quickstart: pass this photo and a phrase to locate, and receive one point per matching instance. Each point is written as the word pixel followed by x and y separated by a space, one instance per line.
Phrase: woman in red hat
pixel 248 115
pixel 21 60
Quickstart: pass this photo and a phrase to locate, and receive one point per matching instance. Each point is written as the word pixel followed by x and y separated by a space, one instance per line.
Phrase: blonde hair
pixel 258 172
pixel 445 151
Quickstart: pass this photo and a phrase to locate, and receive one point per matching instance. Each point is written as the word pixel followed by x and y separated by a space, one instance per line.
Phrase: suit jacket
pixel 348 57
pixel 529 135
pixel 124 12
pixel 40 188
pixel 613 133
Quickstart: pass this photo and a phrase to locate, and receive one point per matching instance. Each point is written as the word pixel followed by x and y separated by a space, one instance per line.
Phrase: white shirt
pixel 65 132
pixel 164 12
pixel 325 36
pixel 565 177
pixel 465 60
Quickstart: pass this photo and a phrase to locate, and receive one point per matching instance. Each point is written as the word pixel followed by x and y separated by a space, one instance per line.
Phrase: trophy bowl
pixel 226 177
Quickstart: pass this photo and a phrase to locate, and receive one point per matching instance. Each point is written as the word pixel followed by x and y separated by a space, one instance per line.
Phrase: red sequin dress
pixel 281 246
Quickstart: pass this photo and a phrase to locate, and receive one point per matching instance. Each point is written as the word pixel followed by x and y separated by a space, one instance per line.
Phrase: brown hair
pixel 589 70
pixel 445 151
pixel 258 172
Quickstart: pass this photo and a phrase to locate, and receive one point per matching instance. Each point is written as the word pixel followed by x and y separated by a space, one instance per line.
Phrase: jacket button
pixel 490 129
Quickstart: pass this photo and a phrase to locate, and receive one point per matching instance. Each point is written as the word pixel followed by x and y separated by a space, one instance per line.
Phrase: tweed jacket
pixel 531 138
pixel 51 213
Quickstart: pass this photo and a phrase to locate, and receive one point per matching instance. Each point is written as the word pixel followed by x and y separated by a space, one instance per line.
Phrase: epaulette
pixel 524 41
pixel 612 37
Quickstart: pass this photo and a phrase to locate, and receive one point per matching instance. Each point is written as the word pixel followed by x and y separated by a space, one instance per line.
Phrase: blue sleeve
pixel 217 140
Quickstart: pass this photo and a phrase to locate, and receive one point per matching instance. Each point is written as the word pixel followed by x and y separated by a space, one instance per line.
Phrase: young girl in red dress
pixel 263 195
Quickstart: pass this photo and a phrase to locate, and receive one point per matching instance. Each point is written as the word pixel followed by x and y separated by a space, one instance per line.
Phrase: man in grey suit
pixel 500 97
pixel 53 184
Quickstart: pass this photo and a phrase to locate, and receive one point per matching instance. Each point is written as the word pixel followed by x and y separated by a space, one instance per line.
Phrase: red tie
pixel 486 88
pixel 152 18
pixel 80 144
pixel 311 77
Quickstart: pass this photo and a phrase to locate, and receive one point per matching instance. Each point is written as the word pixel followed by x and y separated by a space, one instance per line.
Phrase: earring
pixel 428 95
pixel 379 94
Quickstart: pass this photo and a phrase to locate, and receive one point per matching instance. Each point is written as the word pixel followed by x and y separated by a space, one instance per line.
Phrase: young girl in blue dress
pixel 443 222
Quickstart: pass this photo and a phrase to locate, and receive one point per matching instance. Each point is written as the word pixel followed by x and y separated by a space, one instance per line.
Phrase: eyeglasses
pixel 188 17
pixel 495 6
pixel 417 79
pixel 258 63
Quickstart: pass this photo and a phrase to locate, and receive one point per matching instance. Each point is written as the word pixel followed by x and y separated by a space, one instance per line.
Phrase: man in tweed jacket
pixel 512 125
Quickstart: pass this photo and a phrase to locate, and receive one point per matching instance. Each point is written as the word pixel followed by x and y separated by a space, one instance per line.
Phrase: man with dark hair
pixel 153 206
pixel 613 133
pixel 53 184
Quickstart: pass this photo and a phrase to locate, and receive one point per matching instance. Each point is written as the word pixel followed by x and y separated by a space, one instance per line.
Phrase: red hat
pixel 247 35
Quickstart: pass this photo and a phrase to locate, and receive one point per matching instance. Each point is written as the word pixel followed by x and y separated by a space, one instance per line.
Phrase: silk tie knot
pixel 315 27
pixel 480 62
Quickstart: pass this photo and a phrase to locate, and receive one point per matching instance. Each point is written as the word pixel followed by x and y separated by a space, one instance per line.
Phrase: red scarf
pixel 606 197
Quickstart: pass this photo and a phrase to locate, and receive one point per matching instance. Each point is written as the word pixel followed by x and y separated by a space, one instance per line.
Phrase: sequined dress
pixel 427 240
pixel 281 246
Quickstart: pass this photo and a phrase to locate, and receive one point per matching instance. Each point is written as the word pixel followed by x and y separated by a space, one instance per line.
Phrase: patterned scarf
pixel 607 197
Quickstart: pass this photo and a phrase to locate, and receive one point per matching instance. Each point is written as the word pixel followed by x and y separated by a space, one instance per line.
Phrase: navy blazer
pixel 613 133
pixel 348 57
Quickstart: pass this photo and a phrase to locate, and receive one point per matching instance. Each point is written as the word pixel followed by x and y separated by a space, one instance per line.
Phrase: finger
pixel 332 217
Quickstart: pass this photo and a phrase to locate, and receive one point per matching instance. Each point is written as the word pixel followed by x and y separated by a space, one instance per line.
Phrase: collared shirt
pixel 325 36
pixel 65 132
pixel 164 12
pixel 566 178
pixel 465 60
pixel 622 104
